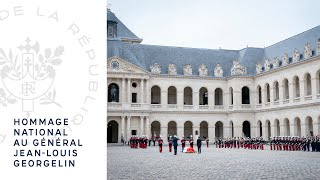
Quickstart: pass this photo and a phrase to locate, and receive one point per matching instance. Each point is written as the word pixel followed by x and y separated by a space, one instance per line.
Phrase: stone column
pixel 141 125
pixel 237 99
pixel 282 130
pixel 304 128
pixel 225 101
pixel 316 126
pixel 273 130
pixel 164 134
pixel 210 99
pixel 180 131
pixel 226 131
pixel 180 99
pixel 195 99
pixel 314 88
pixel 281 95
pixel 265 132
pixel 238 130
pixel 194 129
pixel 122 126
pixel 293 130
pixel 142 91
pixel 123 92
pixel 253 130
pixel 148 128
pixel 302 90
pixel 290 92
pixel 263 96
pixel 148 92
pixel 128 127
pixel 272 90
pixel 211 133
pixel 164 98
pixel 129 91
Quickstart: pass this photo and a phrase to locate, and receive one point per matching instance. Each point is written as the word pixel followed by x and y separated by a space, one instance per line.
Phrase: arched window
pixel 259 95
pixel 204 130
pixel 203 96
pixel 276 91
pixel 231 95
pixel 155 95
pixel 307 87
pixel 285 89
pixel 245 95
pixel 296 87
pixel 172 95
pixel 113 93
pixel 218 96
pixel 187 96
pixel 267 88
pixel 219 129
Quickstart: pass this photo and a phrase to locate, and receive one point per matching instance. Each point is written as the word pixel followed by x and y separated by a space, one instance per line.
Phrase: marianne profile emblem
pixel 27 73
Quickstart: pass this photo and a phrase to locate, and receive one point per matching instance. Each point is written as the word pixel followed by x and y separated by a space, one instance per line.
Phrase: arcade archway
pixel 246 129
pixel 112 132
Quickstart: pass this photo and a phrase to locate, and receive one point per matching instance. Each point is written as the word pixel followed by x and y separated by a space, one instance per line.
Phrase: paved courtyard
pixel 126 163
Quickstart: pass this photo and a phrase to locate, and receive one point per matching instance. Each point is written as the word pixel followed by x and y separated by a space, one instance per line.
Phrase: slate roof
pixel 122 30
pixel 145 55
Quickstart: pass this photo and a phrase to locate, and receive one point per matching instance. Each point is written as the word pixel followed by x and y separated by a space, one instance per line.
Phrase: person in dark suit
pixel 175 144
pixel 199 142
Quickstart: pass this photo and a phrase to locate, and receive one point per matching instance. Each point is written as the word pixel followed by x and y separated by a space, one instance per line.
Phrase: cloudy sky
pixel 229 24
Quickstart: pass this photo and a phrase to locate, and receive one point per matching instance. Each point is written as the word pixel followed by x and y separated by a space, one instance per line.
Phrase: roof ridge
pixel 294 36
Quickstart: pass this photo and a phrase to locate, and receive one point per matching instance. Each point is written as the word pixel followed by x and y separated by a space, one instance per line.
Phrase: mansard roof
pixel 144 56
pixel 298 41
pixel 122 30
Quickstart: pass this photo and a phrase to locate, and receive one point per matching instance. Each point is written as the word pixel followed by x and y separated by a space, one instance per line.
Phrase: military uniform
pixel 160 142
pixel 183 143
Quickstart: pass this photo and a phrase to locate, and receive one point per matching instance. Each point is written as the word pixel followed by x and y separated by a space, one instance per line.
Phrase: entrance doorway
pixel 113 129
pixel 246 129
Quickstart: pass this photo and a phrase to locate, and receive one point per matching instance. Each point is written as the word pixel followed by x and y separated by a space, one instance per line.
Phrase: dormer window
pixel 112 29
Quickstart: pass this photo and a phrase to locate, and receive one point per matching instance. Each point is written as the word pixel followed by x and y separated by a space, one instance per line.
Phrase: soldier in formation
pixel 160 142
pixel 183 143
pixel 236 143
pixel 191 141
pixel 295 143
pixel 170 144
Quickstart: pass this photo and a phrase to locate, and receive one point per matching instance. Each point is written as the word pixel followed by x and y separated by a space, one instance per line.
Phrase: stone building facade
pixel 159 90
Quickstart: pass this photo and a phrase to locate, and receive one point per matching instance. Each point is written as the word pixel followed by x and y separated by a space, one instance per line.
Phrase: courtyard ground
pixel 213 163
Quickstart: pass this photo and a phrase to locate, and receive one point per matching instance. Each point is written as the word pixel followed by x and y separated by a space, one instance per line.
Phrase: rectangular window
pixel 134 132
pixel 134 98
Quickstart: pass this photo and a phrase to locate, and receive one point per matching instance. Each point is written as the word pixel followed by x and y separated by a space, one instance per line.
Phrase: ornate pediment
pixel 155 68
pixel 296 56
pixel 307 51
pixel 116 64
pixel 285 59
pixel 238 69
pixel 172 70
pixel 258 68
pixel 267 64
pixel 203 70
pixel 187 70
pixel 218 71
pixel 276 62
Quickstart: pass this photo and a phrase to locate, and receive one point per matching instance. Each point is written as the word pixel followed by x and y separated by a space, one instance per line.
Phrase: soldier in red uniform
pixel 183 143
pixel 160 142
pixel 191 141
pixel 170 144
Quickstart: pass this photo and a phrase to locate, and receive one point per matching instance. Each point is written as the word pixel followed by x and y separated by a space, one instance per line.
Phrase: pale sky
pixel 229 24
